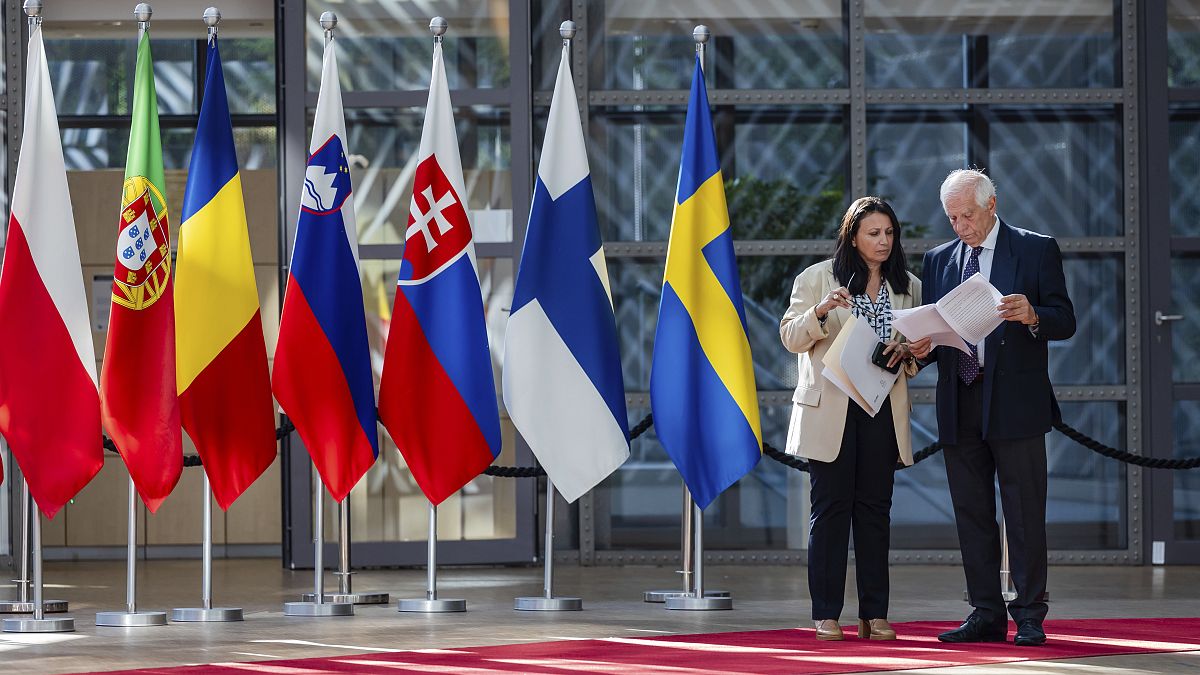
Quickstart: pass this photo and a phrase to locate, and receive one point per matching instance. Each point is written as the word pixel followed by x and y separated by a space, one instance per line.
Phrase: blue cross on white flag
pixel 562 369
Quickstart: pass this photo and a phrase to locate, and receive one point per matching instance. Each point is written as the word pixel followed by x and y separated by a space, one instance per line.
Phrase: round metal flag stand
pixel 38 623
pixel 697 600
pixel 23 604
pixel 547 602
pixel 431 603
pixel 345 592
pixel 685 555
pixel 318 606
pixel 131 617
pixel 206 612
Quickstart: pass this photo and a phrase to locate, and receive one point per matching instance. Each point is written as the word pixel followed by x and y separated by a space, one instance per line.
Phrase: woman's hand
pixel 838 297
pixel 898 350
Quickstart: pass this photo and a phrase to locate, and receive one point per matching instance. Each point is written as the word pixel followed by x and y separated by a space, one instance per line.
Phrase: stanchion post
pixel 23 605
pixel 547 602
pixel 685 556
pixel 431 603
pixel 345 589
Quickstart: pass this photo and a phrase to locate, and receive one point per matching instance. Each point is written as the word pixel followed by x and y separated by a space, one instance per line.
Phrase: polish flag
pixel 49 405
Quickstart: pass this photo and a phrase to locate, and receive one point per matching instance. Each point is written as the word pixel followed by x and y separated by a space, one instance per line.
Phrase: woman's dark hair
pixel 848 263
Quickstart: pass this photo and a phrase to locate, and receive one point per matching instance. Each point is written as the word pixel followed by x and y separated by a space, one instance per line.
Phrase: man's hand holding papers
pixel 965 315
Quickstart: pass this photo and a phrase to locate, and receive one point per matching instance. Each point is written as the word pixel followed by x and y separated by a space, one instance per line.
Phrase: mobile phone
pixel 880 359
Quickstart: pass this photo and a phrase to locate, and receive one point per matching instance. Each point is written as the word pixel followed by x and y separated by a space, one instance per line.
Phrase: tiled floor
pixel 764 597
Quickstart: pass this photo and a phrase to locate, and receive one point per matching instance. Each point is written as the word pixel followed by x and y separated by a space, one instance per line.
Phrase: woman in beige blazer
pixel 852 455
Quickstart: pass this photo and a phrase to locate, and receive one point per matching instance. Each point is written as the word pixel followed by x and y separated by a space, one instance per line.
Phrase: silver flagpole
pixel 39 623
pixel 697 599
pixel 547 602
pixel 23 605
pixel 345 591
pixel 206 611
pixel 131 616
pixel 318 605
pixel 431 602
pixel 685 556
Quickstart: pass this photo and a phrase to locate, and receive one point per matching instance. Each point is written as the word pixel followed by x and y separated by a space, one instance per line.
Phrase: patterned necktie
pixel 968 364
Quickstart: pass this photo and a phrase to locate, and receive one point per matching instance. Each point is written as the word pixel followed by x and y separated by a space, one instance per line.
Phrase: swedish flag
pixel 702 388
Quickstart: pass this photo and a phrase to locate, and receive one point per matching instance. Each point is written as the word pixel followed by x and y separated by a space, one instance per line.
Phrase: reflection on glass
pixel 256 147
pixel 1187 483
pixel 1184 172
pixel 1183 43
pixel 387 505
pixel 1057 172
pixel 784 170
pixel 1001 43
pixel 95 76
pixel 1185 333
pixel 86 149
pixel 383 146
pixel 249 68
pixel 386 45
pixel 766 287
pixel 906 164
pixel 754 45
pixel 766 509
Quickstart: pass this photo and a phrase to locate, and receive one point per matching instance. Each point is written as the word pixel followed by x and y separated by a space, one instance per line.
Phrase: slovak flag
pixel 322 377
pixel 562 368
pixel 437 396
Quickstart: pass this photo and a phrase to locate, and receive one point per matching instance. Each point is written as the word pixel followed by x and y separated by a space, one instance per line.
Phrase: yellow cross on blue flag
pixel 702 390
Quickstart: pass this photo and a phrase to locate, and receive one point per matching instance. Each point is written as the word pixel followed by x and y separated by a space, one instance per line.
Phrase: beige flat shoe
pixel 829 629
pixel 876 629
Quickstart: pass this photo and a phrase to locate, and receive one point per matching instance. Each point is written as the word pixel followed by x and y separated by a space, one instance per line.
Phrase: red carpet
pixel 793 651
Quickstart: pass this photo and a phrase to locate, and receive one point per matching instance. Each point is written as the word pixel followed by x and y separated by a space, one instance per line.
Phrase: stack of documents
pixel 966 315
pixel 848 365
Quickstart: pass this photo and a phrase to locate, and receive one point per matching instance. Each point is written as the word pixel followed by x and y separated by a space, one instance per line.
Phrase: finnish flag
pixel 562 368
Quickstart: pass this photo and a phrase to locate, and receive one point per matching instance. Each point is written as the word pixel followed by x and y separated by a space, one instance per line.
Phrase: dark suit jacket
pixel 1018 401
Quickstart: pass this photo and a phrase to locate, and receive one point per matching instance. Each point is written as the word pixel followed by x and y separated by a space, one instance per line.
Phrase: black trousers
pixel 854 490
pixel 972 468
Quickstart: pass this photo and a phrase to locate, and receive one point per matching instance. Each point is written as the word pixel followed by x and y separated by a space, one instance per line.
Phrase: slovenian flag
pixel 49 403
pixel 322 375
pixel 562 368
pixel 138 399
pixel 437 397
pixel 221 357
pixel 702 390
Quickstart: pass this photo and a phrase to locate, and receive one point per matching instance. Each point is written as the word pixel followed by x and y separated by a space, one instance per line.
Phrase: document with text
pixel 965 315
pixel 848 365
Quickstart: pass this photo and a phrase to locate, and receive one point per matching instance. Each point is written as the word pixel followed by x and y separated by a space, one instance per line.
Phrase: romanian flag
pixel 702 388
pixel 49 406
pixel 139 403
pixel 221 358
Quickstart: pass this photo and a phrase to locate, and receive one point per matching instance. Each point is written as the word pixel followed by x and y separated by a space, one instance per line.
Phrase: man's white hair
pixel 964 181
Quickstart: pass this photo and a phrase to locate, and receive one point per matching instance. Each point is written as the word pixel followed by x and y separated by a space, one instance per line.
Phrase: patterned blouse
pixel 878 314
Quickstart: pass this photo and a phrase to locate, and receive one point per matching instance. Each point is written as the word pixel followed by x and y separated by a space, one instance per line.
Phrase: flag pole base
pixel 59 625
pixel 131 619
pixel 215 614
pixel 663 596
pixel 692 603
pixel 431 606
pixel 18 607
pixel 352 598
pixel 544 604
pixel 318 609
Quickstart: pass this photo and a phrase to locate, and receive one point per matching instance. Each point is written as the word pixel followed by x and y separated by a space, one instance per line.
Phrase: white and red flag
pixel 49 405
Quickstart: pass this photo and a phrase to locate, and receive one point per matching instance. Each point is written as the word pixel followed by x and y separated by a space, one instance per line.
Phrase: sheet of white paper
pixel 970 309
pixel 872 382
pixel 833 367
pixel 925 321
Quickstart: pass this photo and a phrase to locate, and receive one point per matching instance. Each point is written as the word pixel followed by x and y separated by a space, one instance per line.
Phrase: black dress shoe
pixel 975 629
pixel 1030 633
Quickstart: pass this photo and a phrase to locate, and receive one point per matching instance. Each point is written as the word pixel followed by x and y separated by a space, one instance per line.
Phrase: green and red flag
pixel 140 406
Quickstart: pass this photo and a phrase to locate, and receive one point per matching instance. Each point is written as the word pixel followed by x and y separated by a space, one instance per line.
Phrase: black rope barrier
pixel 798 463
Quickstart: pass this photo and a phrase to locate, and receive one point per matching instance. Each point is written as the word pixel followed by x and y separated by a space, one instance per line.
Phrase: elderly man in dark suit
pixel 995 405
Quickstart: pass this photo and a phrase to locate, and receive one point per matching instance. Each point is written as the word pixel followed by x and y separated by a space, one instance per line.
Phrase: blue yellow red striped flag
pixel 702 388
pixel 221 357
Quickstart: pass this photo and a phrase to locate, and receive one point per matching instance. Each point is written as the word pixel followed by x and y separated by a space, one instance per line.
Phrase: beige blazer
pixel 818 405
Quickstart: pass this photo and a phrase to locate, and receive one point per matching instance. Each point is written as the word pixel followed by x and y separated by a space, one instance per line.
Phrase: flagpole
pixel 39 623
pixel 23 605
pixel 318 605
pixel 696 598
pixel 345 592
pixel 431 603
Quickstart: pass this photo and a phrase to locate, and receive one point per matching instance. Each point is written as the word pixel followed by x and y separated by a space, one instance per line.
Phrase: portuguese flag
pixel 139 405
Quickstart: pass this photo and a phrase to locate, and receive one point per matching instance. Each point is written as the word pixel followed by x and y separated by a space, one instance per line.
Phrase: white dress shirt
pixel 985 264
